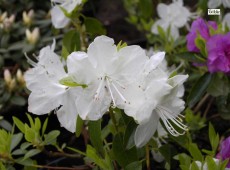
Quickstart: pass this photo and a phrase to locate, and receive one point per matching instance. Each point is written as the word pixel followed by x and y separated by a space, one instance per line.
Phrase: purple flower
pixel 202 27
pixel 218 47
pixel 224 150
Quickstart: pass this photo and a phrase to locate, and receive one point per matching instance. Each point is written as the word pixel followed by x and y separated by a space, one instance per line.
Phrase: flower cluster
pixel 105 77
pixel 174 15
pixel 225 151
pixel 217 45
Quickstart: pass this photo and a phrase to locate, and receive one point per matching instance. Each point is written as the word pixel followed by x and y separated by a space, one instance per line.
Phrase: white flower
pixel 168 110
pixel 58 18
pixel 205 166
pixel 28 17
pixel 47 93
pixel 216 3
pixel 174 15
pixel 226 20
pixel 107 72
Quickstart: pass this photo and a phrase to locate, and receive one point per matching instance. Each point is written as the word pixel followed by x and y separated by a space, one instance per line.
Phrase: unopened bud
pixel 8 22
pixel 28 17
pixel 20 77
pixel 3 16
pixel 7 76
pixel 33 37
pixel 12 84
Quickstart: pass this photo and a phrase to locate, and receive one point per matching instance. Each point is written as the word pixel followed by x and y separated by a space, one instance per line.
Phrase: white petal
pixel 80 68
pixel 51 62
pixel 144 132
pixel 154 61
pixel 71 5
pixel 226 20
pixel 67 114
pixel 214 3
pixel 102 53
pixel 226 3
pixel 174 32
pixel 131 60
pixel 162 23
pixel 162 10
pixel 90 108
pixel 58 18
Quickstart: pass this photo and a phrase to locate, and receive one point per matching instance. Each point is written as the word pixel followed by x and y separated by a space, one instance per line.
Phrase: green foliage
pixel 93 26
pixel 198 89
pixel 71 42
pixel 194 121
pixel 69 82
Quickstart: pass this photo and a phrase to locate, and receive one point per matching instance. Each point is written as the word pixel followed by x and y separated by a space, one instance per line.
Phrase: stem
pixel 202 101
pixel 62 168
pixel 147 157
pixel 208 107
pixel 113 118
pixel 61 154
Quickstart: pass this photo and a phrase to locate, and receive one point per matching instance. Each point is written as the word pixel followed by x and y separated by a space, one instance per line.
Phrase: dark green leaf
pixel 79 126
pixel 15 140
pixel 191 57
pixel 44 126
pixel 195 152
pixel 31 153
pixel 134 166
pixel 121 154
pixel 94 26
pixel 146 8
pixel 95 136
pixel 198 89
pixel 129 135
pixel 51 137
pixel 71 42
pixel 18 100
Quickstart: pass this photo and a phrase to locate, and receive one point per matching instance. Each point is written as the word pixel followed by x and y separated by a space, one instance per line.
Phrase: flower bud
pixel 7 76
pixel 28 17
pixel 8 22
pixel 12 85
pixel 19 77
pixel 3 16
pixel 33 37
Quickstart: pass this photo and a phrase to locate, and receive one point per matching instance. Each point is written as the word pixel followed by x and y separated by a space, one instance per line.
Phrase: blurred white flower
pixel 226 20
pixel 20 77
pixel 3 16
pixel 205 166
pixel 108 72
pixel 33 37
pixel 58 18
pixel 174 15
pixel 28 17
pixel 7 76
pixel 8 22
pixel 217 3
pixel 47 93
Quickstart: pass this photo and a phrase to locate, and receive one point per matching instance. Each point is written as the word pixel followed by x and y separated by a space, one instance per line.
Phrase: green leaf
pixel 201 44
pixel 51 137
pixel 134 166
pixel 30 134
pixel 71 42
pixel 15 140
pixel 44 126
pixel 37 124
pixel 92 154
pixel 129 135
pixel 162 33
pixel 94 26
pixel 194 166
pixel 79 126
pixel 19 124
pixel 95 136
pixel 68 81
pixel 122 155
pixel 121 45
pixel 213 137
pixel 25 145
pixel 18 100
pixel 31 153
pixel 32 125
pixel 198 89
pixel 6 125
pixel 195 152
pixel 219 85
pixel 211 163
pixel 146 8
pixel 25 162
pixel 168 152
pixel 191 57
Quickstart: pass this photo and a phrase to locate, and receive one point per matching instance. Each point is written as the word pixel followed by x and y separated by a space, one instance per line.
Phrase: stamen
pixel 110 91
pixel 167 116
pixel 96 97
pixel 31 62
pixel 119 93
